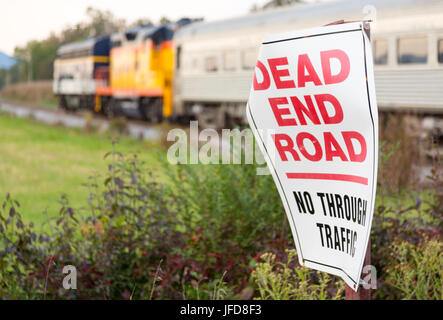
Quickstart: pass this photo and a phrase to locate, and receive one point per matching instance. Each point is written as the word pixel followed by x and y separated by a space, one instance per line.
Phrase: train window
pixel 440 51
pixel 412 50
pixel 249 58
pixel 211 64
pixel 381 51
pixel 230 61
pixel 85 53
pixel 116 44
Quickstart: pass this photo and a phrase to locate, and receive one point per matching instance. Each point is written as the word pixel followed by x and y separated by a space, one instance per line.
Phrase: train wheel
pixel 62 104
pixel 110 108
pixel 211 117
pixel 151 109
pixel 73 103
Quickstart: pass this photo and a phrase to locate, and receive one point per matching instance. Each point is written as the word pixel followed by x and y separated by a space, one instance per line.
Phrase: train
pixel 130 72
pixel 204 70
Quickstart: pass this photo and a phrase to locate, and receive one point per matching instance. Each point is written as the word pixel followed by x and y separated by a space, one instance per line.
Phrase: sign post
pixel 313 111
pixel 362 293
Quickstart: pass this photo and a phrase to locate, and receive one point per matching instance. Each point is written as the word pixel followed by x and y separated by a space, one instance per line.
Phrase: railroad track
pixel 136 129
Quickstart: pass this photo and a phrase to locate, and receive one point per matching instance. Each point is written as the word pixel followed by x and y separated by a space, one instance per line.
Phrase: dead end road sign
pixel 313 111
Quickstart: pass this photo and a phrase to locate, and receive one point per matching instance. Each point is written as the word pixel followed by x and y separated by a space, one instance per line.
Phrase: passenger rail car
pixel 215 62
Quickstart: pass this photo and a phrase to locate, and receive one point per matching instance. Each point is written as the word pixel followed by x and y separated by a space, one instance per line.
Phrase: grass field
pixel 38 163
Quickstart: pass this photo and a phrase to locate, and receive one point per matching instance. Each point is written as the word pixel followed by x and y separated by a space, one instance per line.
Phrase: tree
pixel 274 4
pixel 36 58
pixel 103 22
pixel 141 22
pixel 3 75
pixel 164 20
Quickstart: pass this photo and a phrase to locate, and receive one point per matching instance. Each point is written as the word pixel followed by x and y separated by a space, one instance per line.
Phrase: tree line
pixel 36 58
pixel 274 4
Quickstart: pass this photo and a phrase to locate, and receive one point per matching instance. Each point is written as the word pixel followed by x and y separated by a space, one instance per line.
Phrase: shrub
pixel 116 242
pixel 417 270
pixel 19 254
pixel 231 215
pixel 412 222
pixel 193 237
pixel 199 235
pixel 287 280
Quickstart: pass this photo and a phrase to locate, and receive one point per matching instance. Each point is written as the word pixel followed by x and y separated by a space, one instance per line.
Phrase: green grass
pixel 38 163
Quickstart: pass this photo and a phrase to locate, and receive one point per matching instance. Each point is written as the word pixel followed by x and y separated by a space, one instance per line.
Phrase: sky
pixel 24 20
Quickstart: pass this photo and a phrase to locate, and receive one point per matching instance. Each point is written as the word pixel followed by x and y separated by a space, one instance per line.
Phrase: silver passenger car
pixel 215 61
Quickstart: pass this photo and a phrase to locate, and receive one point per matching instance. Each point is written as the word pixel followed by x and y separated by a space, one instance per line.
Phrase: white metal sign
pixel 313 111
